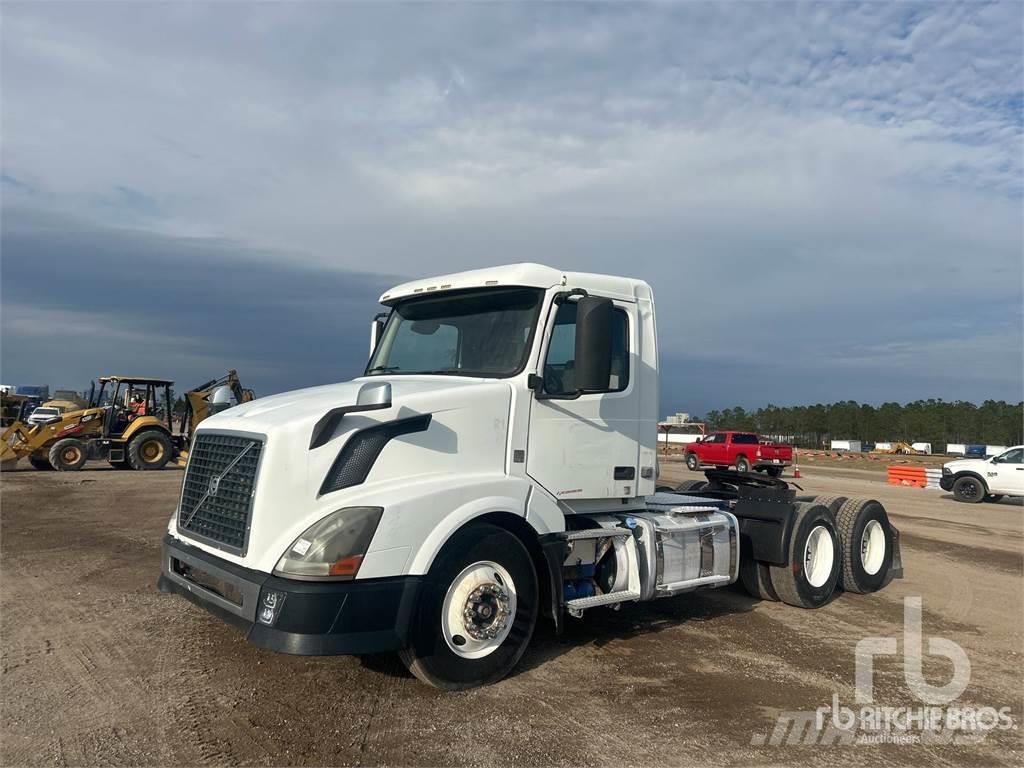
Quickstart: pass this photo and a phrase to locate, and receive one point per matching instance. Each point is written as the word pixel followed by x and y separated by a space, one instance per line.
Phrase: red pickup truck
pixel 745 450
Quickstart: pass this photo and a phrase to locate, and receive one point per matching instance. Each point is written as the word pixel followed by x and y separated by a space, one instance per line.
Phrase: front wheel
pixel 692 462
pixel 969 489
pixel 476 613
pixel 68 455
pixel 150 449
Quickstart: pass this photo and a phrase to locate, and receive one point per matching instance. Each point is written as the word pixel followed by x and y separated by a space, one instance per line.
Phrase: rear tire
pixel 969 490
pixel 865 542
pixel 150 449
pixel 447 650
pixel 810 577
pixel 757 579
pixel 774 471
pixel 68 455
pixel 41 463
pixel 834 503
pixel 742 464
pixel 692 462
pixel 691 485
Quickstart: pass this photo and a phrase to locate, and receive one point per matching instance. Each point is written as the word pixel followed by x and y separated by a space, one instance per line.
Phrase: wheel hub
pixel 486 612
pixel 479 610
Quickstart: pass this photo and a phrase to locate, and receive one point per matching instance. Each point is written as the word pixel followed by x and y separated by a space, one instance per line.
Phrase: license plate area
pixel 210 582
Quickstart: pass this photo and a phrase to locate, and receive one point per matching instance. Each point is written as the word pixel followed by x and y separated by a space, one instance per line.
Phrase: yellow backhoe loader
pixel 128 422
pixel 901 448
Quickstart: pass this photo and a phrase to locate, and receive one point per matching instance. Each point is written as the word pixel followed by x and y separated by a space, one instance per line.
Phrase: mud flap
pixel 896 569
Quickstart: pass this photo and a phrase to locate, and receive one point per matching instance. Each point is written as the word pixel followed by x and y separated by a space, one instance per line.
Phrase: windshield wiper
pixel 383 369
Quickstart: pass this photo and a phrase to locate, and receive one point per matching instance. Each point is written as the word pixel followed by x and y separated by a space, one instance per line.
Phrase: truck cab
pixel 495 463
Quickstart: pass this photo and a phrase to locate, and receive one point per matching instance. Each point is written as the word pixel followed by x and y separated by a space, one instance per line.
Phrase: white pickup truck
pixel 974 480
pixel 495 464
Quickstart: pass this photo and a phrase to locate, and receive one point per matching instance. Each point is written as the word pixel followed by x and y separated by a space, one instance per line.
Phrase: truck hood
pixel 304 407
pixel 967 465
pixel 466 435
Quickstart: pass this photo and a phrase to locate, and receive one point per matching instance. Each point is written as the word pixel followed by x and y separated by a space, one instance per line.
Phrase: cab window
pixel 560 365
pixel 1013 456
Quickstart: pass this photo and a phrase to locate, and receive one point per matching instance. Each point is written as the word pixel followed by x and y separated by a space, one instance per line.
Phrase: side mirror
pixel 373 395
pixel 376 330
pixel 593 343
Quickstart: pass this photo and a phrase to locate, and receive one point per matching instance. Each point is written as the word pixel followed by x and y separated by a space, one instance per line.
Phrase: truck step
pixel 597 533
pixel 593 602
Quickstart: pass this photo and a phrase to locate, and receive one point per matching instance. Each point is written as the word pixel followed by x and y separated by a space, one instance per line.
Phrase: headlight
pixel 333 548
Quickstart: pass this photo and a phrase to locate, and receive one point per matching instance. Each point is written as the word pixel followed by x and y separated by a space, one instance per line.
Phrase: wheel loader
pixel 128 422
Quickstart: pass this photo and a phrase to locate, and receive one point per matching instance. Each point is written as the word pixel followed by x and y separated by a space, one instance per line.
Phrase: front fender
pixel 456 509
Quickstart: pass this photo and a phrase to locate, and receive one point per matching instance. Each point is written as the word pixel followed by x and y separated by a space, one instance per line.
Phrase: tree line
pixel 938 422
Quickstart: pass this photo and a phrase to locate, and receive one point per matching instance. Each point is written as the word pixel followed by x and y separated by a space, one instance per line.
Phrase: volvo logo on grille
pixel 214 485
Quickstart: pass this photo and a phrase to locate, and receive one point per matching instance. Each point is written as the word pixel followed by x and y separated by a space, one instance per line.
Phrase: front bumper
pixel 316 618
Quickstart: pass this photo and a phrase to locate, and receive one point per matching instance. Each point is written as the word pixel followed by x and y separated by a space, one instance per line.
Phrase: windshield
pixel 472 333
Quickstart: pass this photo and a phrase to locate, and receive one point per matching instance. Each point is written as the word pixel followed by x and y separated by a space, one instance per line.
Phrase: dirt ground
pixel 98 667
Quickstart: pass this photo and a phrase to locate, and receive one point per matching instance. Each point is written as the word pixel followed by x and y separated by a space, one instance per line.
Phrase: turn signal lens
pixel 348 566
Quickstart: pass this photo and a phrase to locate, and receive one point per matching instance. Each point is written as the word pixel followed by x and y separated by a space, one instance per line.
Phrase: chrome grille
pixel 217 495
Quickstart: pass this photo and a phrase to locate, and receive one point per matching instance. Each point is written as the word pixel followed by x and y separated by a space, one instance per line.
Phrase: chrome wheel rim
pixel 479 610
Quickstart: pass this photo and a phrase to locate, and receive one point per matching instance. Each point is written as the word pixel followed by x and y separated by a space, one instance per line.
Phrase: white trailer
pixel 846 445
pixel 495 465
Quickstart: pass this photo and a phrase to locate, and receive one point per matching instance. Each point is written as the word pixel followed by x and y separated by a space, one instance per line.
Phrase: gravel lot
pixel 98 667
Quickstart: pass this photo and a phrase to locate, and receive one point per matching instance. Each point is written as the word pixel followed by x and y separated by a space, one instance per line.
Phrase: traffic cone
pixel 796 465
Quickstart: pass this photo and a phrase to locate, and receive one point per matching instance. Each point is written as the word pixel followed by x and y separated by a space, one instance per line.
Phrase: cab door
pixel 1009 473
pixel 586 446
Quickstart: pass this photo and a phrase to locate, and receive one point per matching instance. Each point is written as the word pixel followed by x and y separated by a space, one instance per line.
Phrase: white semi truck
pixel 495 465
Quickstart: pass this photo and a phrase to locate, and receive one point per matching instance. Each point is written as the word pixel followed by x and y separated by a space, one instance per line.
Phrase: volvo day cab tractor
pixel 494 466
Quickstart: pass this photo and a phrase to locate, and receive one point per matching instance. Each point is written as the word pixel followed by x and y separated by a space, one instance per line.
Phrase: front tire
pixel 68 455
pixel 476 613
pixel 692 462
pixel 810 577
pixel 865 541
pixel 150 449
pixel 969 490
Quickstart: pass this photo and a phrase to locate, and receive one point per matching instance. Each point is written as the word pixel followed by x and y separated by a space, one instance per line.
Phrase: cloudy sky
pixel 826 198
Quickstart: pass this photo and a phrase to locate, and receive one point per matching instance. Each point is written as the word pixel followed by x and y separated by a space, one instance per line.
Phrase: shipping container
pixel 956 449
pixel 922 447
